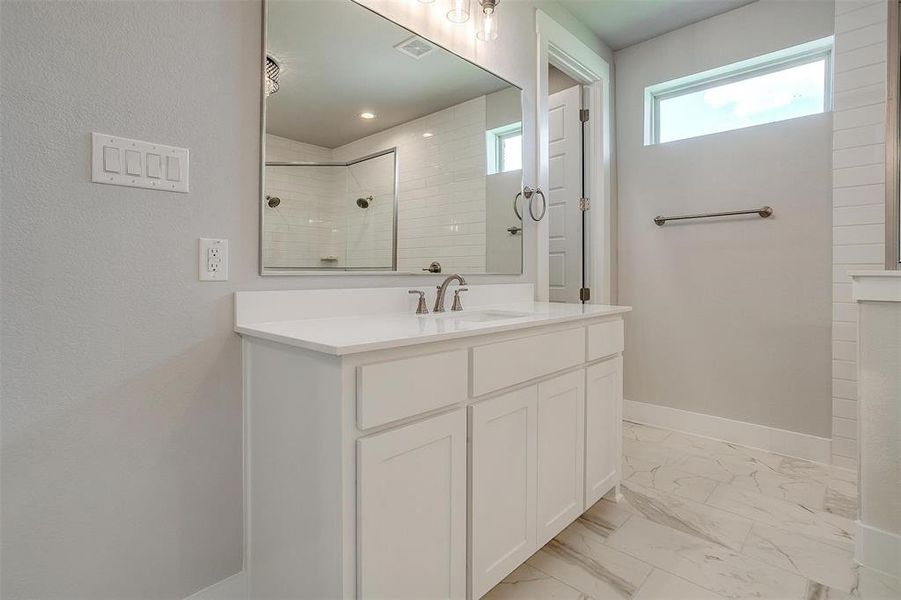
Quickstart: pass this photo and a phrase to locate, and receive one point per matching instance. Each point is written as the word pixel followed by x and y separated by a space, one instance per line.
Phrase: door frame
pixel 561 48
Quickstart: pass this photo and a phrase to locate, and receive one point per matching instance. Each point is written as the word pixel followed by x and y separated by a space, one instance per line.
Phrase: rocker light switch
pixel 133 162
pixel 143 164
pixel 111 159
pixel 154 166
pixel 173 173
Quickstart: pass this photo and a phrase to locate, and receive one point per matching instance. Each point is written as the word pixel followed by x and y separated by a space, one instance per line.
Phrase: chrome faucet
pixel 442 290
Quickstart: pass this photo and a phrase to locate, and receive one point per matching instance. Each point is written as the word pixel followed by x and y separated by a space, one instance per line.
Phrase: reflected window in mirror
pixel 504 149
pixel 375 146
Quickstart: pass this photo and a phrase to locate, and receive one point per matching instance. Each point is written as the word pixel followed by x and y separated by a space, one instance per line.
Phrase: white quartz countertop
pixel 341 335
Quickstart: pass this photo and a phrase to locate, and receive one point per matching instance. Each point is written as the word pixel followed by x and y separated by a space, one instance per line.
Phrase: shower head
pixel 364 202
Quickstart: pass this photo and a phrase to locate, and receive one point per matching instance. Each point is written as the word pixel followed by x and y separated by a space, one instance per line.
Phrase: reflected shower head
pixel 364 202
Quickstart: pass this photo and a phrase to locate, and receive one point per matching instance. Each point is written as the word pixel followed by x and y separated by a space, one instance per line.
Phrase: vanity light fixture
pixel 427 134
pixel 367 115
pixel 459 12
pixel 273 71
pixel 487 30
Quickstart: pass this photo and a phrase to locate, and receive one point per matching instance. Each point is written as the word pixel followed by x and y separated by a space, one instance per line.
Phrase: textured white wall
pixel 732 317
pixel 858 195
pixel 121 376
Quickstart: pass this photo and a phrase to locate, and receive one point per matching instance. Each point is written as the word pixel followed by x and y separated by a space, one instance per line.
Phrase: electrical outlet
pixel 213 259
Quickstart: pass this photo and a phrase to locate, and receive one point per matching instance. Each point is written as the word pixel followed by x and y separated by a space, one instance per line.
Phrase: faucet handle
pixel 457 305
pixel 435 267
pixel 421 308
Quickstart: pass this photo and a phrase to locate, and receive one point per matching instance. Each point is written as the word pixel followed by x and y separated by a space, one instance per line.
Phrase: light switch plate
pixel 133 163
pixel 212 259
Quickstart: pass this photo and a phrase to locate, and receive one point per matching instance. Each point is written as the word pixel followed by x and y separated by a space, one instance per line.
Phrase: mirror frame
pixel 360 272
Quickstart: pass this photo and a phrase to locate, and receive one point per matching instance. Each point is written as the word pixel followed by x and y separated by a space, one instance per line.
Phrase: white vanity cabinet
pixel 503 485
pixel 411 504
pixel 603 418
pixel 424 469
pixel 561 453
pixel 527 452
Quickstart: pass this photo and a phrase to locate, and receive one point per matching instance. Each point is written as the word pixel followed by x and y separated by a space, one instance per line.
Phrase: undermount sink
pixel 482 316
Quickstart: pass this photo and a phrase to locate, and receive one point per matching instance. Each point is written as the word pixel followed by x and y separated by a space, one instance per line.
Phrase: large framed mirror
pixel 383 152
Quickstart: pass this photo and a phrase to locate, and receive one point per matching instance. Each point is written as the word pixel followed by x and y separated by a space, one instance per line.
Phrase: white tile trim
pixel 876 286
pixel 230 588
pixel 858 188
pixel 878 550
pixel 780 441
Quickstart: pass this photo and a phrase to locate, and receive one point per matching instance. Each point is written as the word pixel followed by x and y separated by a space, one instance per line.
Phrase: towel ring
pixel 515 207
pixel 528 193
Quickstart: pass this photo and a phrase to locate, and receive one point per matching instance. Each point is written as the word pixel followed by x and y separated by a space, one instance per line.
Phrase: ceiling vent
pixel 415 47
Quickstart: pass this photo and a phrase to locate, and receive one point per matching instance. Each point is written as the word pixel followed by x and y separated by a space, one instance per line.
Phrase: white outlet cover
pixel 212 259
pixel 133 163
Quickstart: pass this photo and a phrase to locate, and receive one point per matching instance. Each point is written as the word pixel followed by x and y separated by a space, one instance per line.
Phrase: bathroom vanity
pixel 396 455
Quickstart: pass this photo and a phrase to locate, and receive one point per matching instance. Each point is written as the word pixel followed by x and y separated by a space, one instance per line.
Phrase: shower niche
pixel 382 151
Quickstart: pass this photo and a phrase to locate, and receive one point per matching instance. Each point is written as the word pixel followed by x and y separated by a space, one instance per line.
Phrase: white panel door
pixel 561 453
pixel 502 471
pixel 411 510
pixel 603 428
pixel 565 179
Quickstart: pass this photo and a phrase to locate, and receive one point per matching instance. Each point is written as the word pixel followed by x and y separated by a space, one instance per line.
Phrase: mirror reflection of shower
pixel 331 214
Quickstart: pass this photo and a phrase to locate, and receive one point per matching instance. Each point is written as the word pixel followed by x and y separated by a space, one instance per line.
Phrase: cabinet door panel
pixel 603 428
pixel 503 454
pixel 411 510
pixel 561 453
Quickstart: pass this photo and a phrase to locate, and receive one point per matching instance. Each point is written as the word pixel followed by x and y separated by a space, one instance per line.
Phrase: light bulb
pixel 459 12
pixel 488 29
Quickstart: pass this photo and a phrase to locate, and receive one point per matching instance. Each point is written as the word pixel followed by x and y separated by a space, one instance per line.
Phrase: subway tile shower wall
pixel 858 195
pixel 298 230
pixel 441 196
pixel 441 186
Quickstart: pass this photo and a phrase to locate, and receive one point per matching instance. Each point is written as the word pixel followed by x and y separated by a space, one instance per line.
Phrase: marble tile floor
pixel 703 519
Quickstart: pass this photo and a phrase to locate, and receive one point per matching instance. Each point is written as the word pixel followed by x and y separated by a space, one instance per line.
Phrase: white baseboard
pixel 230 588
pixel 780 441
pixel 878 550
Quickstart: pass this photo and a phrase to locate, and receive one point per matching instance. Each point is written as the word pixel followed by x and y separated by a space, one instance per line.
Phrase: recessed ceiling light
pixel 427 134
pixel 367 115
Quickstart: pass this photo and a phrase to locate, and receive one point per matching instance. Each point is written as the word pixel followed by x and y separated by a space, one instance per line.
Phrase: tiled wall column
pixel 858 199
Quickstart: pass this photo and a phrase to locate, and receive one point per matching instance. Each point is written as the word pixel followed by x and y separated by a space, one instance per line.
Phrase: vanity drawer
pixel 500 365
pixel 397 389
pixel 605 339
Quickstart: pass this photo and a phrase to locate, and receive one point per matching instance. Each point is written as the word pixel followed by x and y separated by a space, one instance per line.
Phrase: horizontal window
pixel 791 83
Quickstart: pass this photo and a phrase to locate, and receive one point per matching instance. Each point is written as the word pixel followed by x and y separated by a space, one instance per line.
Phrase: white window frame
pixel 494 143
pixel 501 163
pixel 754 67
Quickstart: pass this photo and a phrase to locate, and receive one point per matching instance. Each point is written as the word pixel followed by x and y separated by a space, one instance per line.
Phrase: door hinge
pixel 584 204
pixel 583 114
pixel 584 294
